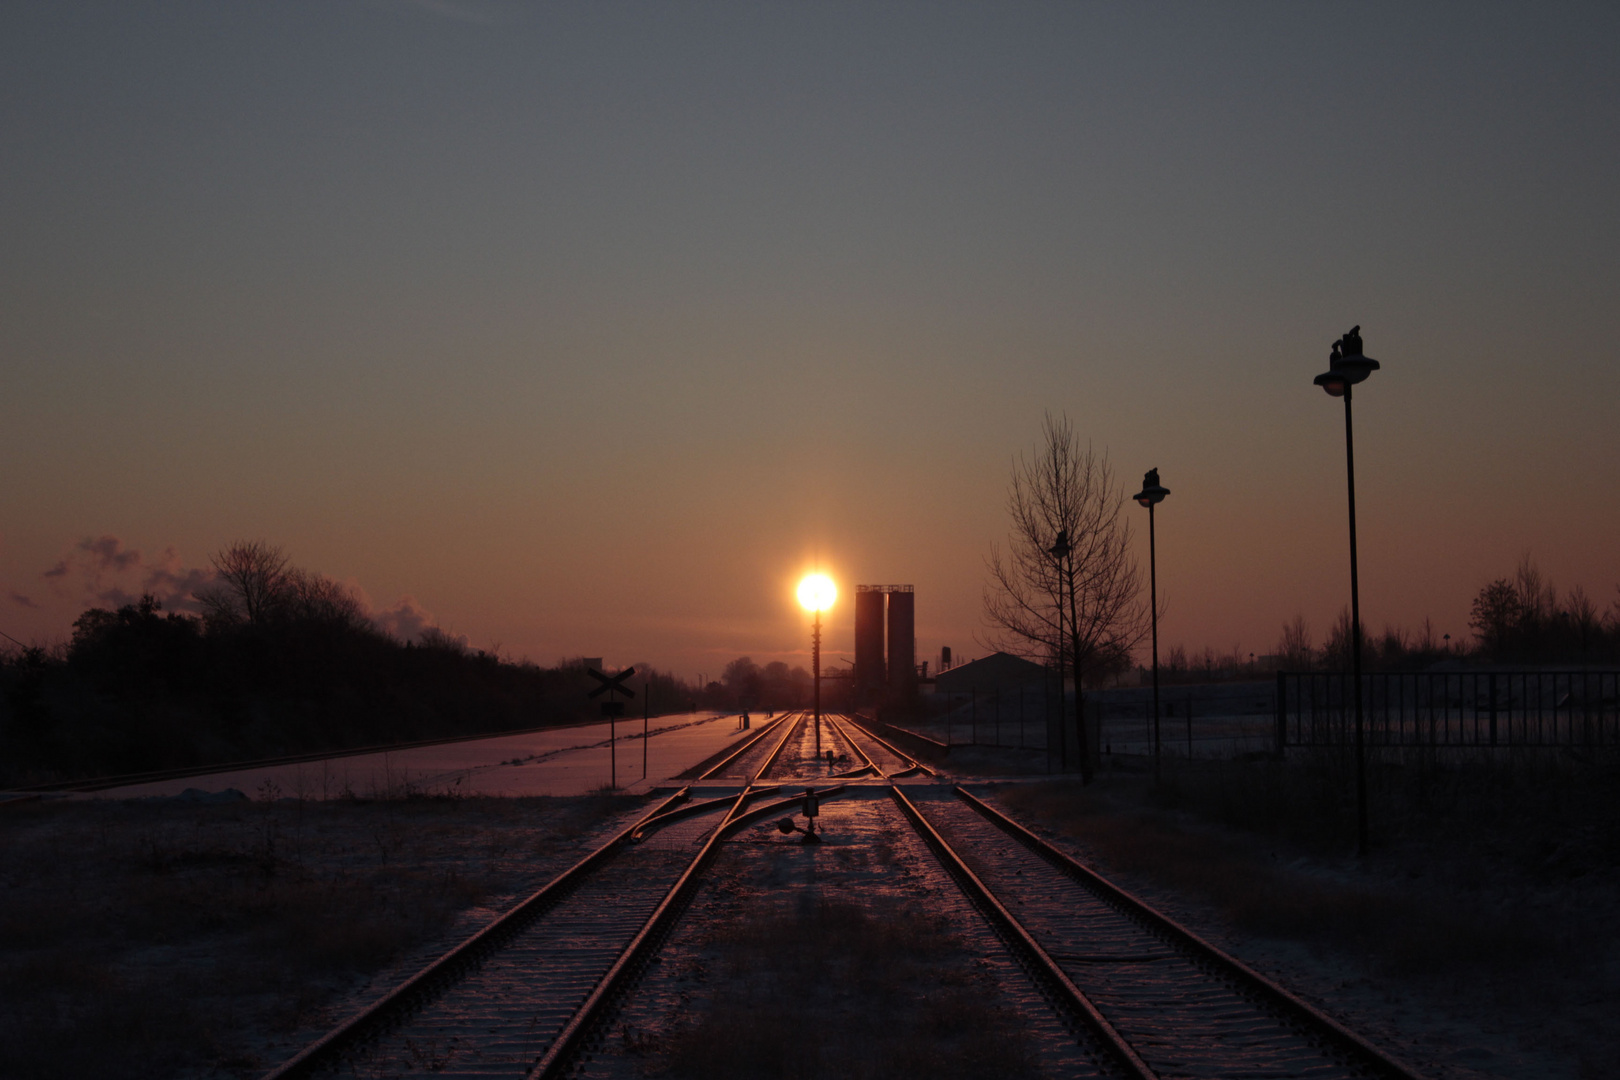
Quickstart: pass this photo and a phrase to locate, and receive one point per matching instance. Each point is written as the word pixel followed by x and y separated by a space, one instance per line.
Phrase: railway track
pixel 1140 995
pixel 1148 996
pixel 886 760
pixel 520 996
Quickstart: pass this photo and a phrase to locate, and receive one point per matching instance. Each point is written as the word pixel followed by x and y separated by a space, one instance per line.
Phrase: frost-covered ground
pixel 167 938
pixel 1206 721
pixel 573 760
pixel 1482 938
pixel 856 957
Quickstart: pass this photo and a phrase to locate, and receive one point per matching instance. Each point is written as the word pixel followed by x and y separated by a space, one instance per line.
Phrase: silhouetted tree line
pixel 1393 649
pixel 1523 620
pixel 282 661
pixel 1517 620
pixel 746 685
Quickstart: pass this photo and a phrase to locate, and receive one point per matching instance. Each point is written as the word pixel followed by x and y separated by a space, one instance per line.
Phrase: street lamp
pixel 1151 495
pixel 1346 367
pixel 816 594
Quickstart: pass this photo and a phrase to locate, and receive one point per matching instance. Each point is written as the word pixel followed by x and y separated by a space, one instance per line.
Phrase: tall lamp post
pixel 1346 367
pixel 1151 495
pixel 816 594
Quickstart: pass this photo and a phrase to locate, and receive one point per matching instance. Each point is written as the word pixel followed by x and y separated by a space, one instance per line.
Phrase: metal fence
pixel 1451 708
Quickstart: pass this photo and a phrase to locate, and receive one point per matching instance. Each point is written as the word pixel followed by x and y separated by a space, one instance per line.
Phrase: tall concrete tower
pixel 902 640
pixel 869 669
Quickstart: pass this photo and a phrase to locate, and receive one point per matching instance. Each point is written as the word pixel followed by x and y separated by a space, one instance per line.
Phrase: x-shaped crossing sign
pixel 611 684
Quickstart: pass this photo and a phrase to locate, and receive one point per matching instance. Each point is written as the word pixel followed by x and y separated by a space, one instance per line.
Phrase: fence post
pixel 1282 714
pixel 1493 707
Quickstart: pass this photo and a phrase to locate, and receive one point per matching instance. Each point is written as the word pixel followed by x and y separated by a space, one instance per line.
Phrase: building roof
pixel 989 672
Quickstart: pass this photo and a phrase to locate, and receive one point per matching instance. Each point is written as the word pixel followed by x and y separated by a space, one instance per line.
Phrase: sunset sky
pixel 588 328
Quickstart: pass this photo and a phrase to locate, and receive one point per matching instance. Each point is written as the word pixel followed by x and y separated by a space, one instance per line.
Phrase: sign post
pixel 612 708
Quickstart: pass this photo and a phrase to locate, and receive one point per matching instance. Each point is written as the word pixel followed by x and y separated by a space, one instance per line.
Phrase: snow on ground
pixel 862 996
pixel 573 760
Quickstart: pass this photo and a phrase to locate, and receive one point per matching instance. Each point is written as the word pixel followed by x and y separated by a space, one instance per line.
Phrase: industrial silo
pixel 869 671
pixel 902 640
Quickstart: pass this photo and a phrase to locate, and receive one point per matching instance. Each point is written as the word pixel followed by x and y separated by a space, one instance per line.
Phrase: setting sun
pixel 817 592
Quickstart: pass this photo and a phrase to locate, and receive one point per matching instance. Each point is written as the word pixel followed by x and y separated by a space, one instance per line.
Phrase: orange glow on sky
pixel 580 334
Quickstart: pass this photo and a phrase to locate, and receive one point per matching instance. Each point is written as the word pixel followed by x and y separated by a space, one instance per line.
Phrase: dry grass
pixel 824 989
pixel 159 938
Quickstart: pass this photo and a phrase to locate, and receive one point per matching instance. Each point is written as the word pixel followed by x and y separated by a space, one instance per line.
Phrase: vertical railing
pixel 1493 707
pixel 1502 709
pixel 1282 715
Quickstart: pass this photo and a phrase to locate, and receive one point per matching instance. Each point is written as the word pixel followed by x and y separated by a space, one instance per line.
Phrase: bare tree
pixel 1082 607
pixel 316 598
pixel 1583 617
pixel 1336 649
pixel 250 585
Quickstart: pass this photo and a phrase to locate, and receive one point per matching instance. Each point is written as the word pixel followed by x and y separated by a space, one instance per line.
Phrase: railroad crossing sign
pixel 612 684
pixel 612 708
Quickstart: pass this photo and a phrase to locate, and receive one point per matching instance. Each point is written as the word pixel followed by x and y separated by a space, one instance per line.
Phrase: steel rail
pixel 748 791
pixel 759 813
pixel 853 745
pixel 1035 959
pixel 876 769
pixel 943 748
pixel 559 1056
pixel 419 988
pixel 1256 986
pixel 850 774
pixel 747 745
pixel 915 766
pixel 691 809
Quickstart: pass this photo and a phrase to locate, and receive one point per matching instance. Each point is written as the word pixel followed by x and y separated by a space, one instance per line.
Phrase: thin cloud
pixel 22 601
pixel 100 570
pixel 407 620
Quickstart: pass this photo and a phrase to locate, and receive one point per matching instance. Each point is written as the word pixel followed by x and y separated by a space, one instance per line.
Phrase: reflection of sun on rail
pixel 886 751
pixel 734 760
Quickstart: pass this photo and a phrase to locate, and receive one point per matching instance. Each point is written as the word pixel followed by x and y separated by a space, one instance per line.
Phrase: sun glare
pixel 817 592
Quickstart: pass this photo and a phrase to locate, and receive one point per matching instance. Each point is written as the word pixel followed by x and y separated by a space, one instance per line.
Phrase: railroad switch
pixel 811 811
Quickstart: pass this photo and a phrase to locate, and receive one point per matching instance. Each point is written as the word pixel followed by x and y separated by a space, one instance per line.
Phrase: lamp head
pixel 1152 492
pixel 1346 365
pixel 817 592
